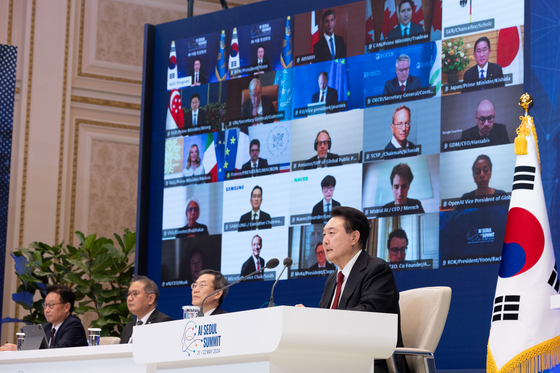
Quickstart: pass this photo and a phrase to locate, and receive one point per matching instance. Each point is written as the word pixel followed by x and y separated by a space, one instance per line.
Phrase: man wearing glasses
pixel 403 82
pixel 324 157
pixel 400 127
pixel 397 245
pixel 483 70
pixel 141 299
pixel 486 127
pixel 208 282
pixel 322 211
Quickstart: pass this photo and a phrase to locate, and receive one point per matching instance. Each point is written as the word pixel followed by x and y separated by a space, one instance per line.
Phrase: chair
pixel 103 341
pixel 423 315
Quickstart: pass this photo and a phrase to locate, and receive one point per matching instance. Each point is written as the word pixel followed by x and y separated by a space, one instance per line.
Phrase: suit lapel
pixel 328 294
pixel 152 316
pixel 353 280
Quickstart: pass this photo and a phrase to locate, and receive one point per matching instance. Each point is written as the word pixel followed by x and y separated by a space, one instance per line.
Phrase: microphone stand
pixel 287 263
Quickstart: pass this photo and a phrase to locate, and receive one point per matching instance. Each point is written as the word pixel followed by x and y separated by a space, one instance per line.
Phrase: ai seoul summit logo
pixel 201 339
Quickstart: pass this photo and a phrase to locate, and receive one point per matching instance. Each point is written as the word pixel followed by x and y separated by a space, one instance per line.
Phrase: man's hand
pixel 300 305
pixel 8 347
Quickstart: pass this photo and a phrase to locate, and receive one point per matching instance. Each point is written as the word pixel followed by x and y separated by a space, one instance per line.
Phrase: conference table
pixel 277 339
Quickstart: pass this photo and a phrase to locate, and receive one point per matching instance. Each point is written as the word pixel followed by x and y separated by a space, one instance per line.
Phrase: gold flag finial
pixel 526 128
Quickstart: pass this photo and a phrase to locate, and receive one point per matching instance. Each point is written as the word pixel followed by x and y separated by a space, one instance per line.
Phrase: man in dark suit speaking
pixel 329 46
pixel 255 219
pixel 197 117
pixel 362 282
pixel 255 262
pixel 141 299
pixel 322 211
pixel 255 162
pixel 261 62
pixel 405 27
pixel 325 94
pixel 257 105
pixel 403 81
pixel 198 76
pixel 483 70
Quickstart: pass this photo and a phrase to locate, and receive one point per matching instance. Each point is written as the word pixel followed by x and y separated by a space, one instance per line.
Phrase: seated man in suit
pixel 323 49
pixel 62 329
pixel 486 127
pixel 322 262
pixel 400 127
pixel 255 219
pixel 208 282
pixel 197 116
pixel 322 211
pixel 401 178
pixel 397 245
pixel 257 105
pixel 403 81
pixel 362 282
pixel 483 70
pixel 141 299
pixel 325 94
pixel 261 61
pixel 324 157
pixel 198 76
pixel 193 229
pixel 255 162
pixel 255 262
pixel 405 27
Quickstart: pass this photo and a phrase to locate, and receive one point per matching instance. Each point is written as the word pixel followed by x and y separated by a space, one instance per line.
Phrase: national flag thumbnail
pixel 175 118
pixel 286 57
pixel 234 55
pixel 221 70
pixel 525 330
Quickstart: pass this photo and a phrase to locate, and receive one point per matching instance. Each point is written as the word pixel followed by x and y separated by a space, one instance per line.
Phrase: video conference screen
pixel 399 108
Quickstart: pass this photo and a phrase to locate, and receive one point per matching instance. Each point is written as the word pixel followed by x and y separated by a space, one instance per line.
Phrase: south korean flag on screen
pixel 525 331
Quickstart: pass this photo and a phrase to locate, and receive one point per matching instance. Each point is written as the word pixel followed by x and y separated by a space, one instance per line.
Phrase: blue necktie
pixel 195 120
pixel 481 74
pixel 332 47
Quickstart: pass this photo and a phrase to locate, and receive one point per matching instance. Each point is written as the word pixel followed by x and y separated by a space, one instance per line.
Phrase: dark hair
pixel 320 243
pixel 403 171
pixel 195 95
pixel 149 286
pixel 260 46
pixel 66 294
pixel 256 187
pixel 260 239
pixel 255 142
pixel 197 59
pixel 482 157
pixel 483 38
pixel 328 181
pixel 320 132
pixel 219 282
pixel 405 1
pixel 399 233
pixel 325 74
pixel 355 221
pixel 327 13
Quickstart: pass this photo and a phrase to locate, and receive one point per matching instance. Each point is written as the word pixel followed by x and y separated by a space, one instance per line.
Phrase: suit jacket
pixel 370 287
pixel 390 146
pixel 260 164
pixel 498 134
pixel 249 266
pixel 318 211
pixel 204 231
pixel 218 310
pixel 323 52
pixel 264 220
pixel 267 106
pixel 264 63
pixel 155 317
pixel 328 266
pixel 70 334
pixel 472 76
pixel 331 99
pixel 201 77
pixel 393 86
pixel 201 120
pixel 397 32
pixel 329 156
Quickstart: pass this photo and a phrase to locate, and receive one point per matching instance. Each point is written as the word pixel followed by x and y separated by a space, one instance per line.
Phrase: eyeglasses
pixel 482 51
pixel 199 286
pixel 254 150
pixel 328 189
pixel 50 306
pixel 489 118
pixel 397 250
pixel 192 209
pixel 135 293
pixel 402 125
pixel 403 70
pixel 326 142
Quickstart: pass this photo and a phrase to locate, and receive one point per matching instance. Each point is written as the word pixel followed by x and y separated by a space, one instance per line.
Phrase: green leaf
pixel 83 309
pixel 130 241
pixel 99 277
pixel 75 279
pixel 78 263
pixel 101 262
pixel 108 310
pixel 117 253
pixel 28 277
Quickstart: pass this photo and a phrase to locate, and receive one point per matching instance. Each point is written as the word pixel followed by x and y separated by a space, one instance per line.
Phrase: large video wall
pixel 401 109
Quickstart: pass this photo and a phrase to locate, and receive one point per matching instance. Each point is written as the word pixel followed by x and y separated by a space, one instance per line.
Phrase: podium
pixel 279 339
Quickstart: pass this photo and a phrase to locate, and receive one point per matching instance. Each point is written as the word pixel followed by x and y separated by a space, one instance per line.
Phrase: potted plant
pixel 454 58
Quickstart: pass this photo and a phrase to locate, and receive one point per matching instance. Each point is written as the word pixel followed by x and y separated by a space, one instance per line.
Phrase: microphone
pixel 287 263
pixel 272 263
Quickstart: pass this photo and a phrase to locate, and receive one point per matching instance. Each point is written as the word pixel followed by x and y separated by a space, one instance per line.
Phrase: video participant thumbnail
pixel 488 170
pixel 329 34
pixel 328 87
pixel 479 119
pixel 307 251
pixel 319 144
pixel 401 130
pixel 402 74
pixel 393 24
pixel 401 187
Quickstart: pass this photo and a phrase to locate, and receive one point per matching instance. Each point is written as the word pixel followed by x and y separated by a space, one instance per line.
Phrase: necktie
pixel 328 207
pixel 402 87
pixel 52 337
pixel 195 121
pixel 196 77
pixel 481 74
pixel 339 281
pixel 406 31
pixel 255 111
pixel 254 225
pixel 258 265
pixel 322 96
pixel 332 47
pixel 139 322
